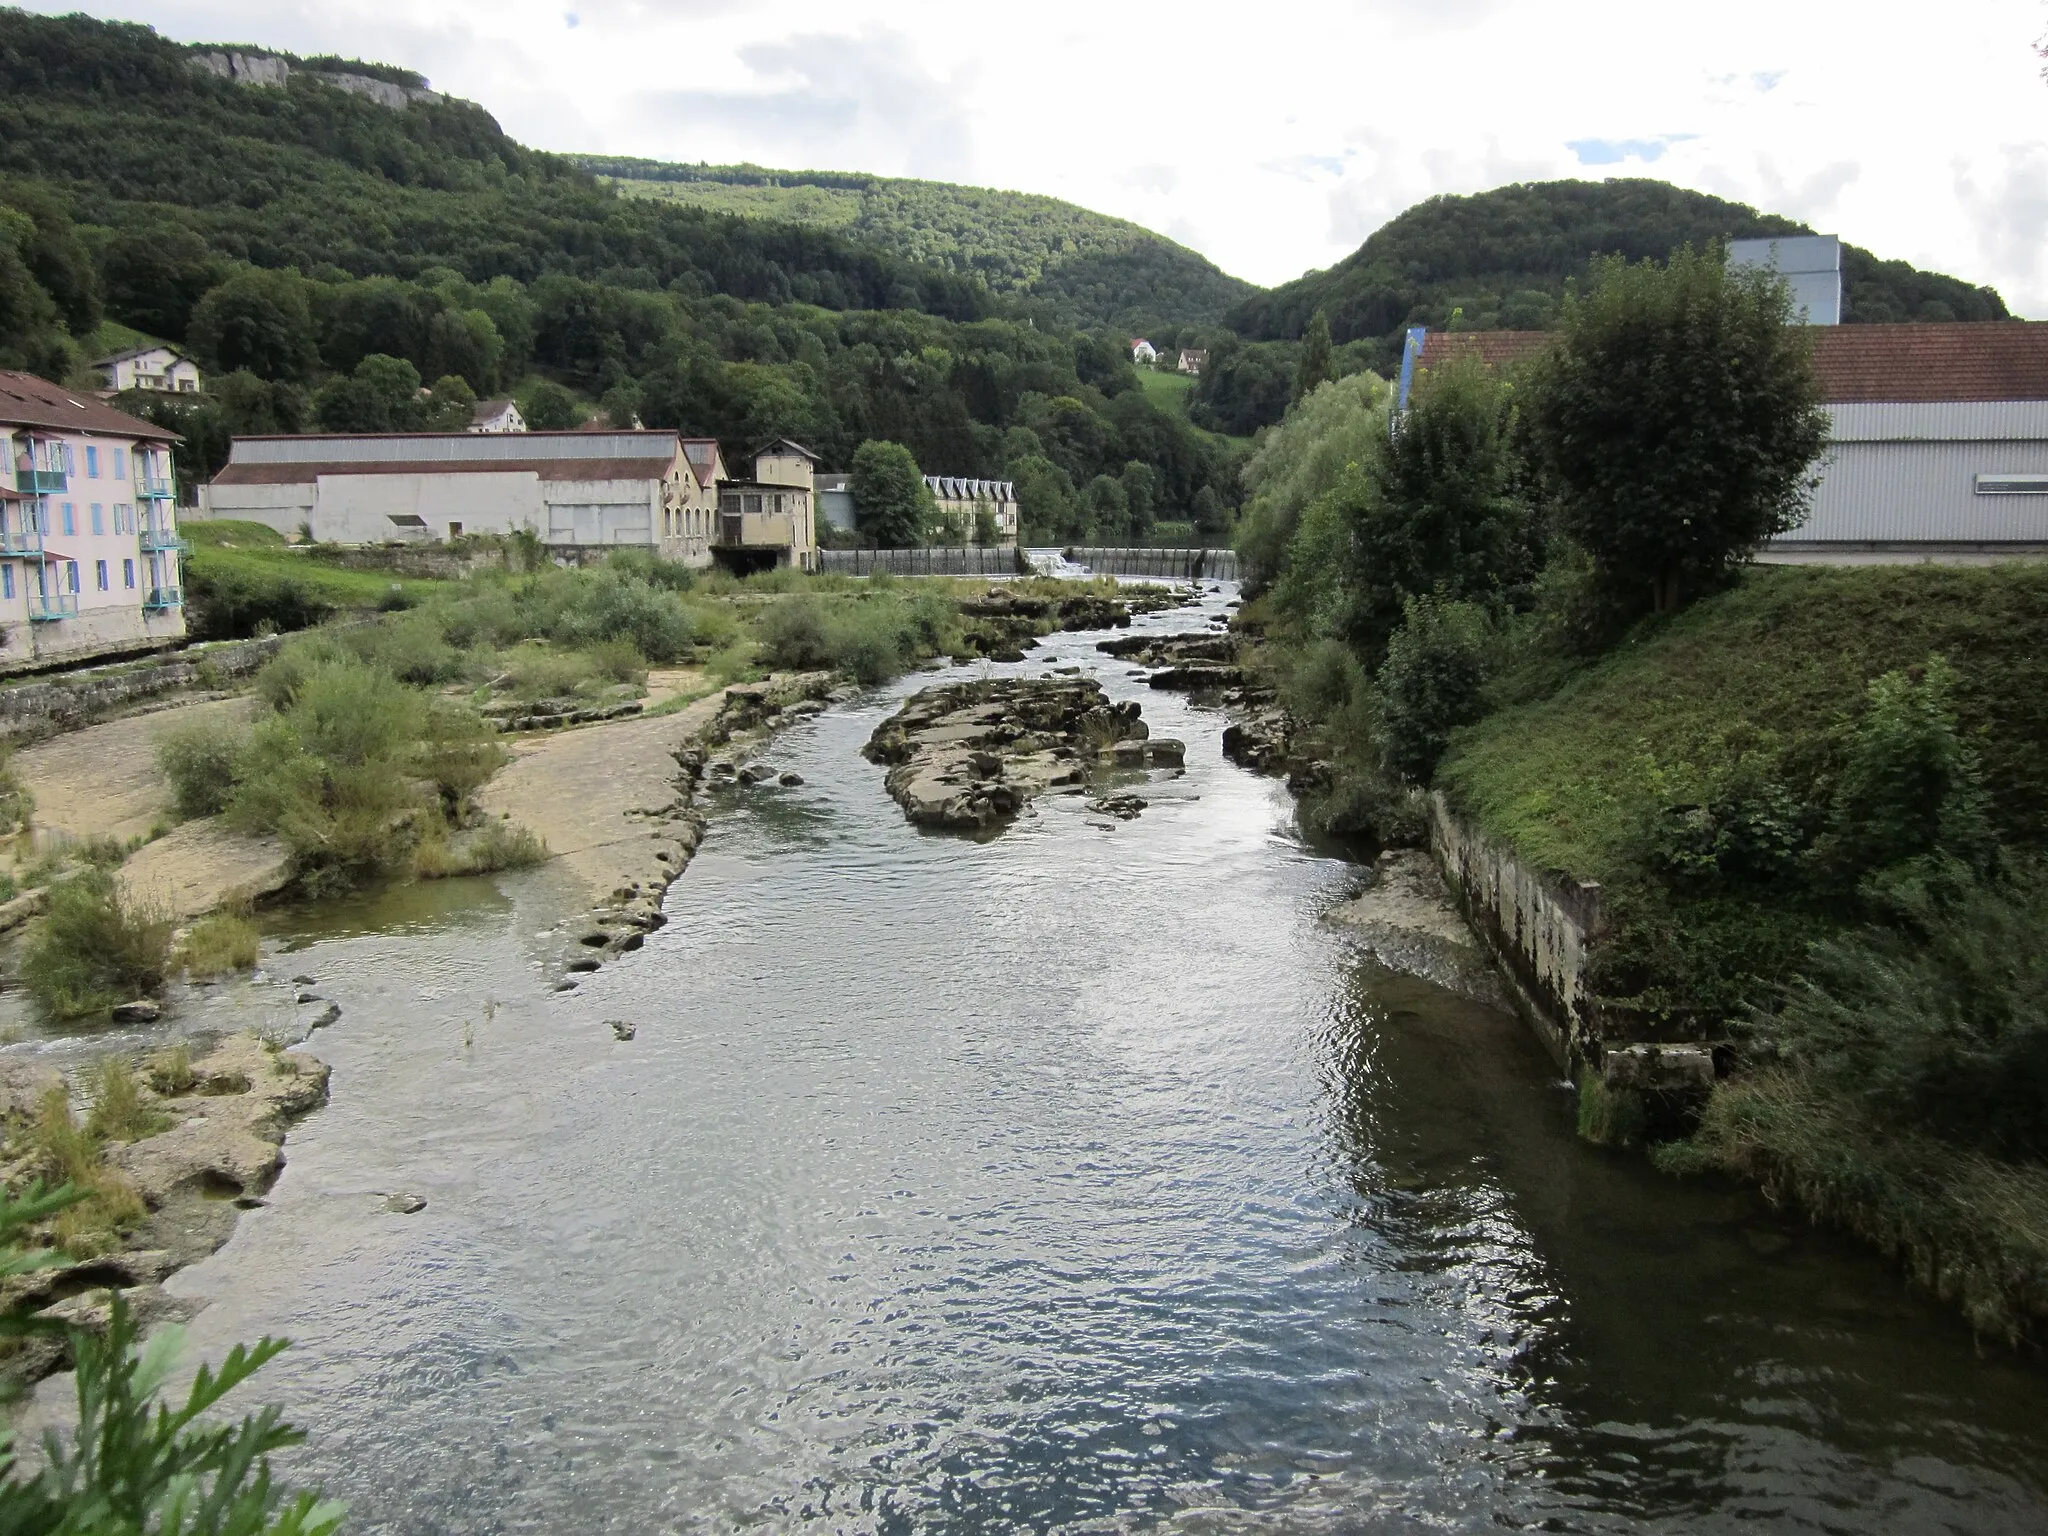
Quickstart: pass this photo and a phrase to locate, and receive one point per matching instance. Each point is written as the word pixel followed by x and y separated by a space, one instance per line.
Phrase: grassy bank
pixel 1817 804
pixel 1818 808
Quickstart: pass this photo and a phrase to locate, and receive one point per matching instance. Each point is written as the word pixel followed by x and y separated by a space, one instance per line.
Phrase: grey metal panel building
pixel 1956 480
pixel 1810 264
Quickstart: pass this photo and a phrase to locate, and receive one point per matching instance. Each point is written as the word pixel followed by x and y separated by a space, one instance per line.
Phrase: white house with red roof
pixel 1938 438
pixel 89 546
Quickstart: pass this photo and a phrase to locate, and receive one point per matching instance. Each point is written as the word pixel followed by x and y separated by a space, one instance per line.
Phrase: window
pixel 92 462
pixel 70 462
pixel 99 517
pixel 70 518
pixel 100 573
pixel 72 567
pixel 128 574
pixel 6 581
pixel 120 463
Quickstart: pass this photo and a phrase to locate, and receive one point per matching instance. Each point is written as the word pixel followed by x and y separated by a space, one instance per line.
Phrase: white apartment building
pixel 89 546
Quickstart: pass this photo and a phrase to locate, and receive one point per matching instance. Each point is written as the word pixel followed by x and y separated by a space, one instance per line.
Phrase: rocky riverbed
pixel 1187 662
pixel 215 1146
pixel 970 756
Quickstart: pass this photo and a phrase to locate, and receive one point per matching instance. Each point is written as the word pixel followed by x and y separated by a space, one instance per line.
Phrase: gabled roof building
pixel 1939 438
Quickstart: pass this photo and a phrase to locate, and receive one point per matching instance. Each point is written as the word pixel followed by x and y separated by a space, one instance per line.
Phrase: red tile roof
pixel 1857 364
pixel 27 401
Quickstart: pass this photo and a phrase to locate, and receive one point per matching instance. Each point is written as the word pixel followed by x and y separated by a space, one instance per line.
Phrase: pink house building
pixel 89 546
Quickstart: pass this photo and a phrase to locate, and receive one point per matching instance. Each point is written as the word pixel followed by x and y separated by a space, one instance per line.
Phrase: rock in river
pixel 970 755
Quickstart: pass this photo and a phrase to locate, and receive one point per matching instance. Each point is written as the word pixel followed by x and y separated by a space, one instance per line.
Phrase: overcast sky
pixel 1272 137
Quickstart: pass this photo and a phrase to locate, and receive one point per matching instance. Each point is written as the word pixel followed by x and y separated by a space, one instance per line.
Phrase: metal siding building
pixel 1939 438
pixel 1952 477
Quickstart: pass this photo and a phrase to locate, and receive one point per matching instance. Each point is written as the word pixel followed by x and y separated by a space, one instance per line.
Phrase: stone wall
pixel 34 710
pixel 1540 928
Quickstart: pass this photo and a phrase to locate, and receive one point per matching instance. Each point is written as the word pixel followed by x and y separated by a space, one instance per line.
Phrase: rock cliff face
pixel 266 69
pixel 969 756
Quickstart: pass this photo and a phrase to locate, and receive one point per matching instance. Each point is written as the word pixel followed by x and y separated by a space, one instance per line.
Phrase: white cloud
pixel 1274 141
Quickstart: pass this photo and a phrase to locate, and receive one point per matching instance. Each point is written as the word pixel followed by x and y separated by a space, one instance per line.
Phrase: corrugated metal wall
pixel 1907 474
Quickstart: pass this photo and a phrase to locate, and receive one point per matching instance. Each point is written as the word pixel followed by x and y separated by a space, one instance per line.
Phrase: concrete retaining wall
pixel 33 711
pixel 1540 928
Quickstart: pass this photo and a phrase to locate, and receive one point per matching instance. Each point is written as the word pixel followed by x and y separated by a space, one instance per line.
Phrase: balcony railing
pixel 155 538
pixel 164 597
pixel 24 540
pixel 47 607
pixel 38 482
pixel 153 487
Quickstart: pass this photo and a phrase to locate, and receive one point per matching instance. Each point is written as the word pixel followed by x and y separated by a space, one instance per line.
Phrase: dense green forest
pixel 1068 266
pixel 1503 259
pixel 323 256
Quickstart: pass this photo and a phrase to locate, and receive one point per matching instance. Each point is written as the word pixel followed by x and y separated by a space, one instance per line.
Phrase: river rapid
pixel 1078 1180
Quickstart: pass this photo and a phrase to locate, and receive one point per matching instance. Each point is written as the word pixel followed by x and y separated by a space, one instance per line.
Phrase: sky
pixel 1272 138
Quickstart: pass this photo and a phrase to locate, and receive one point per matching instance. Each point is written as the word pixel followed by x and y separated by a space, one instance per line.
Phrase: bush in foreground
pixel 219 945
pixel 202 760
pixel 92 949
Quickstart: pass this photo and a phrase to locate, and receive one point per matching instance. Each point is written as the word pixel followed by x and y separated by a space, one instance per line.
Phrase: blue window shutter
pixel 99 518
pixel 92 462
pixel 128 573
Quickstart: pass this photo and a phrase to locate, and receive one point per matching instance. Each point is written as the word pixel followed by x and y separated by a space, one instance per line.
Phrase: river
pixel 1082 1179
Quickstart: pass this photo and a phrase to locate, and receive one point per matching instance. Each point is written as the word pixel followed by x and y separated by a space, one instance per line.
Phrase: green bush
pixel 1430 683
pixel 219 945
pixel 1938 1019
pixel 92 950
pixel 202 760
pixel 233 604
pixel 671 575
pixel 793 635
pixel 866 641
pixel 614 606
pixel 17 805
pixel 497 845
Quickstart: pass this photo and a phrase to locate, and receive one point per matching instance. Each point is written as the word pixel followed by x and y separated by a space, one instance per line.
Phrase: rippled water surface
pixel 1078 1180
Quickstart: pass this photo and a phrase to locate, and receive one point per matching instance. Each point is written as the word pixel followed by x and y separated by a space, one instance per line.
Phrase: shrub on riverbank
pixel 202 760
pixel 497 845
pixel 219 945
pixel 92 948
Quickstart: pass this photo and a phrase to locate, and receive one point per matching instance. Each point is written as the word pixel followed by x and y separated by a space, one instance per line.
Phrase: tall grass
pixel 219 945
pixel 91 949
pixel 496 845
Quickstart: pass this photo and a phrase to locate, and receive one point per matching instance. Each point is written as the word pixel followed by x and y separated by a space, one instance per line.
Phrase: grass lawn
pixel 1168 391
pixel 224 549
pixel 1779 660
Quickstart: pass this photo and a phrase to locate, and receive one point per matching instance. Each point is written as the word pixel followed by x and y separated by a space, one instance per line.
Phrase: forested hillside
pixel 324 256
pixel 1503 258
pixel 1070 266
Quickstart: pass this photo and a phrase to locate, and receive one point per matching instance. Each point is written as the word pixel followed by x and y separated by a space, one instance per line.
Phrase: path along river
pixel 1078 1180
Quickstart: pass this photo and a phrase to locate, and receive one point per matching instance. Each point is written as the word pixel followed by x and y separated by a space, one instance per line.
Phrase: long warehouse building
pixel 576 490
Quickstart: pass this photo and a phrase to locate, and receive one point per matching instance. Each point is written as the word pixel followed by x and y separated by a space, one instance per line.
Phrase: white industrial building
pixel 1811 266
pixel 1938 443
pixel 576 490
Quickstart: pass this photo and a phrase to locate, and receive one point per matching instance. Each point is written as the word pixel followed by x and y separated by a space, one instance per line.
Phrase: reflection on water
pixel 1075 1180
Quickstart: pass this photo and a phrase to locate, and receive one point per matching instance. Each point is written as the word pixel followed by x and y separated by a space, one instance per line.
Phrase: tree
pixel 1212 518
pixel 154 275
pixel 1141 493
pixel 1315 366
pixel 985 531
pixel 1436 511
pixel 1045 499
pixel 548 407
pixel 1676 422
pixel 1109 511
pixel 382 395
pixel 451 405
pixel 31 330
pixel 258 320
pixel 891 502
pixel 55 255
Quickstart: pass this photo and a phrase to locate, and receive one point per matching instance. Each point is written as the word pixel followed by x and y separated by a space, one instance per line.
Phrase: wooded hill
pixel 1067 265
pixel 1503 258
pixel 323 256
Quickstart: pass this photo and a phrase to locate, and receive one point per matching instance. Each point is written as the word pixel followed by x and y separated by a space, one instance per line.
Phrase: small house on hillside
pixel 1938 439
pixel 1142 351
pixel 1194 359
pixel 496 416
pixel 152 366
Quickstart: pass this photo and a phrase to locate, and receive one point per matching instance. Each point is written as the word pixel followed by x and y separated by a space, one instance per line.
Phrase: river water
pixel 1082 1179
